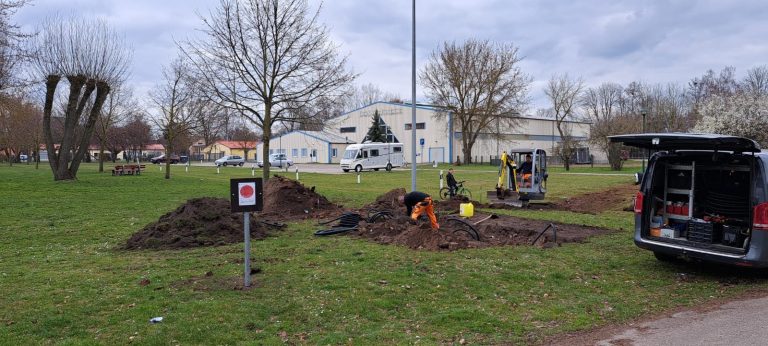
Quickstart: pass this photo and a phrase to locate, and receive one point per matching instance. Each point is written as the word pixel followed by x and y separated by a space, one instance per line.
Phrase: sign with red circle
pixel 246 194
pixel 246 190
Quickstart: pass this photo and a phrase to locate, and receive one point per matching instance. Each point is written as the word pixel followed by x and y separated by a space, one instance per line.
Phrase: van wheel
pixel 358 168
pixel 225 164
pixel 345 170
pixel 241 164
pixel 376 169
pixel 663 257
pixel 389 167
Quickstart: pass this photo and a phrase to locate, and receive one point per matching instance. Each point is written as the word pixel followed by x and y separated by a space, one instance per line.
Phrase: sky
pixel 599 41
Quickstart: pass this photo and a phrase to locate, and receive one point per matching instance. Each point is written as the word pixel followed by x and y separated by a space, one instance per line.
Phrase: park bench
pixel 118 170
pixel 128 169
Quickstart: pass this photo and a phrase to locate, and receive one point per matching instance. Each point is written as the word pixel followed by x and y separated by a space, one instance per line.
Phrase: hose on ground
pixel 554 232
pixel 466 227
pixel 349 221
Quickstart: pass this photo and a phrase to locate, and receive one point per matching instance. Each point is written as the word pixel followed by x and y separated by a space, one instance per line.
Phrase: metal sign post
pixel 246 196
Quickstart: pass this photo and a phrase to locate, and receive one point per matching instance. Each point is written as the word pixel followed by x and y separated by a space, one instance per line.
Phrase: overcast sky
pixel 619 41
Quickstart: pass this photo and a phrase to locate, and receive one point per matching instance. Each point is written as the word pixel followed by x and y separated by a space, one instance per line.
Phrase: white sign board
pixel 246 193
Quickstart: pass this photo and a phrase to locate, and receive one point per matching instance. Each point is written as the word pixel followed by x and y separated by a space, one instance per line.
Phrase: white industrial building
pixel 308 146
pixel 437 138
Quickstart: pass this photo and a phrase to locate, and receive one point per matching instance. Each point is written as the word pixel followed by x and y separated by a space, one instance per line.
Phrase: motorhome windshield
pixel 350 154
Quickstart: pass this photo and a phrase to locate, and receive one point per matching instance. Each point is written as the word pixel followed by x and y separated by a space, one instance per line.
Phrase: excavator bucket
pixel 507 197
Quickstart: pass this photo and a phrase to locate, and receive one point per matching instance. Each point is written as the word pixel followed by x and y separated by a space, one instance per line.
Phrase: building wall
pixel 298 146
pixel 529 133
pixel 434 134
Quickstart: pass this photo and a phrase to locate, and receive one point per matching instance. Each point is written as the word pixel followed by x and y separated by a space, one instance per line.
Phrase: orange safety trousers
pixel 425 206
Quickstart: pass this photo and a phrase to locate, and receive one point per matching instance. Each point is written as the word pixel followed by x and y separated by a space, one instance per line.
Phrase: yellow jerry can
pixel 466 210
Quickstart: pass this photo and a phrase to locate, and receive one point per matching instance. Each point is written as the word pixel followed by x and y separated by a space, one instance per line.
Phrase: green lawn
pixel 64 282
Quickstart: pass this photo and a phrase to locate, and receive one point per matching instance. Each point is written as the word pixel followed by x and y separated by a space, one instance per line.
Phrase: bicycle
pixel 461 193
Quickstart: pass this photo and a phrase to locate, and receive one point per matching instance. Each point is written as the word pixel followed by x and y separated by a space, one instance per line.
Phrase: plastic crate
pixel 701 232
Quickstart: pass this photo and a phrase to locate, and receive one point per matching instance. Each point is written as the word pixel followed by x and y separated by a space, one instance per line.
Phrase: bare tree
pixel 92 59
pixel 172 99
pixel 119 105
pixel 266 58
pixel 756 81
pixel 564 92
pixel 480 83
pixel 602 105
pixel 210 117
pixel 12 50
pixel 136 134
pixel 367 94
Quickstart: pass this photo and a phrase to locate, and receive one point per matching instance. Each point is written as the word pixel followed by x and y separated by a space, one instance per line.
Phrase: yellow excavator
pixel 517 185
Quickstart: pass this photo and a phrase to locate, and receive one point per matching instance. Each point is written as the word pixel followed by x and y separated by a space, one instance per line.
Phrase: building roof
pixel 154 146
pixel 239 144
pixel 324 136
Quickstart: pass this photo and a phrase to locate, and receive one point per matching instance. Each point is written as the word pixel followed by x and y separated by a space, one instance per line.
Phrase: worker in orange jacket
pixel 417 203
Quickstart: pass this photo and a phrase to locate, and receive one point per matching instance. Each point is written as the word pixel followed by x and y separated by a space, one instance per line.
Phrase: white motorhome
pixel 373 156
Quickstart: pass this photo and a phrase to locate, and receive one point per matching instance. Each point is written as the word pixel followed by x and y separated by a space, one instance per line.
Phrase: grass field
pixel 64 282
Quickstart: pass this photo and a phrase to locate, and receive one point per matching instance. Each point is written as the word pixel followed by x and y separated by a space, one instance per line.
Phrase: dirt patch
pixel 453 235
pixel 198 222
pixel 286 199
pixel 619 197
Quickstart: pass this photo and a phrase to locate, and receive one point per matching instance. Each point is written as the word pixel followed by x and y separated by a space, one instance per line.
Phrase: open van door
pixel 687 141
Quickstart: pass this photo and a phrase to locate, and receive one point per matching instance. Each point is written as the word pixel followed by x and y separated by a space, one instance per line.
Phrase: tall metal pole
pixel 413 100
pixel 247 259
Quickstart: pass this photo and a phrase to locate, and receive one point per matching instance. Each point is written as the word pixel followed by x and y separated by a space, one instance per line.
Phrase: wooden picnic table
pixel 128 169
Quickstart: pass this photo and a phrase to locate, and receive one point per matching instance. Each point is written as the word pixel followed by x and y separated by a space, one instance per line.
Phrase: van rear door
pixel 687 141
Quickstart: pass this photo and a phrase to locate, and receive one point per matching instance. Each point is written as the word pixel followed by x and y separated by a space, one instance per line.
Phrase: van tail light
pixel 639 202
pixel 760 217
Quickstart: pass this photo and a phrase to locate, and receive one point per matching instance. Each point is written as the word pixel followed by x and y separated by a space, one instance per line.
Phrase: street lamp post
pixel 644 113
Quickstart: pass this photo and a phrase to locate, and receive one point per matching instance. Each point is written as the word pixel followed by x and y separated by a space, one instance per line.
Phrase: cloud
pixel 620 41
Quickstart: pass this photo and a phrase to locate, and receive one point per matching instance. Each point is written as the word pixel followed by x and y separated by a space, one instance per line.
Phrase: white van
pixel 372 156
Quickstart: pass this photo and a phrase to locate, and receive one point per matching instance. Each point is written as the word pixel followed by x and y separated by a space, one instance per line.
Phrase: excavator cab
pixel 522 177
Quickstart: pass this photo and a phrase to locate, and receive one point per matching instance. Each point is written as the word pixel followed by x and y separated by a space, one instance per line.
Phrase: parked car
pixel 230 160
pixel 23 158
pixel 703 196
pixel 183 159
pixel 161 159
pixel 277 160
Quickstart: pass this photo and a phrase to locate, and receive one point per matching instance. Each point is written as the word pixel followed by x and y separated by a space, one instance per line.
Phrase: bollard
pixel 441 179
pixel 161 167
pixel 434 164
pixel 186 168
pixel 253 171
pixel 358 177
pixel 217 170
pixel 297 173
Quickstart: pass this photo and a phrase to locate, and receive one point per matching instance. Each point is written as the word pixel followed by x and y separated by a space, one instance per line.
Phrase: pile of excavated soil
pixel 502 231
pixel 287 199
pixel 389 202
pixel 198 222
pixel 615 198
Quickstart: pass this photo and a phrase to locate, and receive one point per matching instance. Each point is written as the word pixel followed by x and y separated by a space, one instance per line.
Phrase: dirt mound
pixel 453 235
pixel 198 222
pixel 616 198
pixel 387 201
pixel 287 199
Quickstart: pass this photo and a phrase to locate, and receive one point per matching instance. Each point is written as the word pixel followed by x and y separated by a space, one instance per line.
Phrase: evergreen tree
pixel 374 133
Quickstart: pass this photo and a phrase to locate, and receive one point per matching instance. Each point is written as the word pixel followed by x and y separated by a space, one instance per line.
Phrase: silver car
pixel 230 160
pixel 277 160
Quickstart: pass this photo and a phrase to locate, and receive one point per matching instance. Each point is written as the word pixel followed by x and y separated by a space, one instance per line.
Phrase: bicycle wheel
pixel 445 193
pixel 464 192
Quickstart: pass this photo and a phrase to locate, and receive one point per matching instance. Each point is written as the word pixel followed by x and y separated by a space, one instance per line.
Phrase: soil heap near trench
pixel 500 231
pixel 198 222
pixel 210 222
pixel 286 200
pixel 618 197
